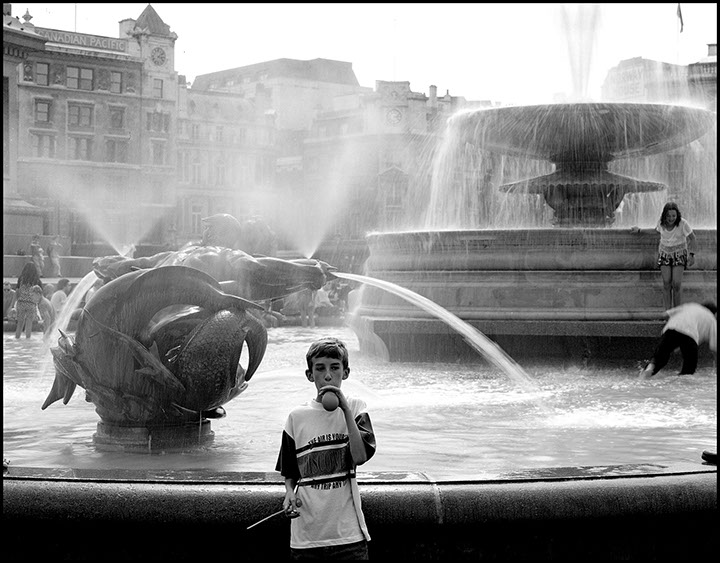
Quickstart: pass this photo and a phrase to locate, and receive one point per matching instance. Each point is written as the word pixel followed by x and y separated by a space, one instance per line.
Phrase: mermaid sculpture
pixel 160 342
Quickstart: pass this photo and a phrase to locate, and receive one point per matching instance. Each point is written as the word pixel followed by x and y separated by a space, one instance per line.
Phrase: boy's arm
pixel 291 503
pixel 361 437
pixel 357 446
pixel 288 468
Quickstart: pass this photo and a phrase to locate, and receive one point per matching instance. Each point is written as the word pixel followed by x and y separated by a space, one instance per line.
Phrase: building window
pixel 157 193
pixel 116 150
pixel 117 118
pixel 86 79
pixel 183 165
pixel 220 173
pixel 79 148
pixel 42 111
pixel 42 70
pixel 196 172
pixel 80 116
pixel 196 213
pixel 43 146
pixel 79 78
pixel 219 134
pixel 158 121
pixel 157 87
pixel 195 131
pixel 116 82
pixel 72 77
pixel 158 153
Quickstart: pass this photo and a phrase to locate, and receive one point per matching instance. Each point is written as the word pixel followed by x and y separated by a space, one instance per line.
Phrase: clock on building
pixel 393 116
pixel 158 56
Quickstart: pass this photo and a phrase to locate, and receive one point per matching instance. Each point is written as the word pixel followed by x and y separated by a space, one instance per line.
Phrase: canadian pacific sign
pixel 83 40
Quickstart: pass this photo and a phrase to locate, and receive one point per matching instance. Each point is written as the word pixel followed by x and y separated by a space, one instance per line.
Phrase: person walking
pixel 53 251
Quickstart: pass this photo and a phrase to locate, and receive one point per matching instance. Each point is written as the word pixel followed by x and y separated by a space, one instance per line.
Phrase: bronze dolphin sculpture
pixel 159 346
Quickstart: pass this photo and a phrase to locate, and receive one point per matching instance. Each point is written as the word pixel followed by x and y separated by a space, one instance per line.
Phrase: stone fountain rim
pixel 607 150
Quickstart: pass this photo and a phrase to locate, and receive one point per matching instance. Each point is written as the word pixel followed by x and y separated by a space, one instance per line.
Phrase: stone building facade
pixel 21 219
pixel 112 146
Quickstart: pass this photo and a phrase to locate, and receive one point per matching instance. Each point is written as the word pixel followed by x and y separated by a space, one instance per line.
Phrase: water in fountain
pixel 119 235
pixel 448 421
pixel 62 321
pixel 481 343
pixel 73 301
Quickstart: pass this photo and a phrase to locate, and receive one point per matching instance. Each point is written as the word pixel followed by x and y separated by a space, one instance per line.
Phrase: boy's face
pixel 327 371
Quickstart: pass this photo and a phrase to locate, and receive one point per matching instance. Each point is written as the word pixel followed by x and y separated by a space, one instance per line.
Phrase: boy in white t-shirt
pixel 322 444
pixel 689 325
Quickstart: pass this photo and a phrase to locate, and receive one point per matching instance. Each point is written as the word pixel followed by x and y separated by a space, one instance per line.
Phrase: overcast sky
pixel 510 53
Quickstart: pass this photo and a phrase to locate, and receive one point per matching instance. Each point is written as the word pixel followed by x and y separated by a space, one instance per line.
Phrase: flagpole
pixel 677 41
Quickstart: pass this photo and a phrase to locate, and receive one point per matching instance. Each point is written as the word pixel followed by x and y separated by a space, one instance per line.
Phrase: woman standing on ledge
pixel 676 252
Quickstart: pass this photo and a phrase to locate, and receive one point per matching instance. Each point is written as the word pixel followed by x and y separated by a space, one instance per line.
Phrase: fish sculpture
pixel 159 346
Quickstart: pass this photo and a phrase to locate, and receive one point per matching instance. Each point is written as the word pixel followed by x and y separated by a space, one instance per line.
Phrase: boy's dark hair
pixel 329 347
pixel 62 284
pixel 710 305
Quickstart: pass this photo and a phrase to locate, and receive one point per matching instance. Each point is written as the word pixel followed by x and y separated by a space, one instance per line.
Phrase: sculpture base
pixel 152 439
pixel 567 294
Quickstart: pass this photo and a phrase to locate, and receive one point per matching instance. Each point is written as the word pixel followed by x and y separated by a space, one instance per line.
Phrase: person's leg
pixel 689 351
pixel 666 273
pixel 29 325
pixel 667 345
pixel 22 319
pixel 676 284
pixel 19 325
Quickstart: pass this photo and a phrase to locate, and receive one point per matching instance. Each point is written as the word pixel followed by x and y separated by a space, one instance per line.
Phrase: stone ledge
pixel 664 512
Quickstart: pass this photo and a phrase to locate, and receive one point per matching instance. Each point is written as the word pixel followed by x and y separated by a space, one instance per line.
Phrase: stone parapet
pixel 624 512
pixel 574 294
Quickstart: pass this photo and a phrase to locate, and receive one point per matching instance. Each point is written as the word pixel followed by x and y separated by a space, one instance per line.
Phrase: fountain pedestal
pixel 580 290
pixel 543 293
pixel 114 437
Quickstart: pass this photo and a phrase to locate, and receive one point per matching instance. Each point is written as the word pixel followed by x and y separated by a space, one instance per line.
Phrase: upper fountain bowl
pixel 586 132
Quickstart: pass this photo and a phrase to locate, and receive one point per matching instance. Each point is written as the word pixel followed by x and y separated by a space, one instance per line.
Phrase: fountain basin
pixel 553 293
pixel 600 132
pixel 577 513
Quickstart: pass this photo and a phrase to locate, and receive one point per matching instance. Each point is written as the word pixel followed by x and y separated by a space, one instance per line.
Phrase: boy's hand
pixel 343 404
pixel 291 504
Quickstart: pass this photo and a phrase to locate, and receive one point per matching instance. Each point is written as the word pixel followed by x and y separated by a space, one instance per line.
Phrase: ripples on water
pixel 449 421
